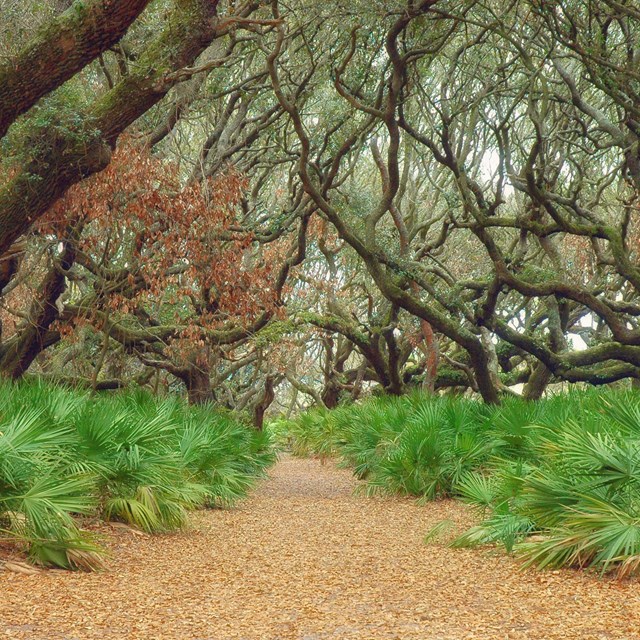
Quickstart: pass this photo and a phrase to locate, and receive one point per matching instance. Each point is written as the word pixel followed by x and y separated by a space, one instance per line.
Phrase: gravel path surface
pixel 304 558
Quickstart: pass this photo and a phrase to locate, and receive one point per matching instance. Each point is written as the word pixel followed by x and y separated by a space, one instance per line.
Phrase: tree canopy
pixel 299 202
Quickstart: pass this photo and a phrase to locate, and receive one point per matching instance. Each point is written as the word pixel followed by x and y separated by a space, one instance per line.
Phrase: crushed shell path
pixel 304 558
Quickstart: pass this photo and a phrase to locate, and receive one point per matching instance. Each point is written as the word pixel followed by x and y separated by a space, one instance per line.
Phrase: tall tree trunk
pixel 59 50
pixel 537 382
pixel 429 346
pixel 198 385
pixel 331 394
pixel 34 335
pixel 542 375
pixel 64 158
pixel 263 403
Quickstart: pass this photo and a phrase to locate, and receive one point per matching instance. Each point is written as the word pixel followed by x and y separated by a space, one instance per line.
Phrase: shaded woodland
pixel 277 204
pixel 403 234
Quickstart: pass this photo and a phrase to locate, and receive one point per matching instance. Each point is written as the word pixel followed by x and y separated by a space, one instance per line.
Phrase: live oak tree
pixel 70 141
pixel 495 116
pixel 446 193
pixel 162 272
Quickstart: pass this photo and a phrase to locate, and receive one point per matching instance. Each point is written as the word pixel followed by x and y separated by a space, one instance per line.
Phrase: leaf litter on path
pixel 304 558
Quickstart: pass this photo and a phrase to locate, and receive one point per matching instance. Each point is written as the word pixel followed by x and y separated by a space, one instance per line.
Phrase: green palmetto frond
pixel 595 533
pixel 505 528
pixel 480 490
pixel 129 457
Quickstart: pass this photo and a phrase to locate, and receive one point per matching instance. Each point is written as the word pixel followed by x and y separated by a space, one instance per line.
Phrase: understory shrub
pixel 129 457
pixel 557 481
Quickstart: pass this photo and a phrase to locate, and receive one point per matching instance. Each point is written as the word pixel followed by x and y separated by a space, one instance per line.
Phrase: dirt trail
pixel 304 558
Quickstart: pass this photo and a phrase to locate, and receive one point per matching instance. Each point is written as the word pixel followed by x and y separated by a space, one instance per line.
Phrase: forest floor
pixel 305 558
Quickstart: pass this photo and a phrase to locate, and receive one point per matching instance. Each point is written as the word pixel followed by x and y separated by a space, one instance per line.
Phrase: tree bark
pixel 65 158
pixel 263 403
pixel 35 335
pixel 61 49
pixel 537 383
pixel 10 262
pixel 198 386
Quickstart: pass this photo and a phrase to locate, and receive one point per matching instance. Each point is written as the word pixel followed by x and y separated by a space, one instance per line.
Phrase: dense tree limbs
pixel 433 193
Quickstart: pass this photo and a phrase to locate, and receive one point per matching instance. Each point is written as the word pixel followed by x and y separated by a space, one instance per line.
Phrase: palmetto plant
pixel 37 491
pixel 440 441
pixel 370 431
pixel 558 481
pixel 580 492
pixel 129 458
pixel 412 444
pixel 310 433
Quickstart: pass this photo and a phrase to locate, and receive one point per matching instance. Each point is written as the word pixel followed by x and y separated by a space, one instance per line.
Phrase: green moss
pixel 274 332
pixel 534 274
pixel 58 116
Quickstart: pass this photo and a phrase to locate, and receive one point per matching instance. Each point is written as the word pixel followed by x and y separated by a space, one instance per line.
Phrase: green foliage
pixel 274 333
pixel 433 451
pixel 310 434
pixel 557 481
pixel 57 116
pixel 129 458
